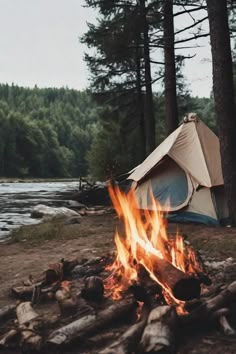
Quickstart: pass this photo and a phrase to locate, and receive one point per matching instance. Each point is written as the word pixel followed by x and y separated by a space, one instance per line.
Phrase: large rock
pixel 44 211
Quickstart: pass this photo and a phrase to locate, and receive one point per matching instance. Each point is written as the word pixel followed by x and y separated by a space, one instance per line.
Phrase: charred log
pixel 93 289
pixel 182 285
pixel 208 307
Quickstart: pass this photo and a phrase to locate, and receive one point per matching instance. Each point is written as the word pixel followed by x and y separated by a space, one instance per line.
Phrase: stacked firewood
pixel 81 315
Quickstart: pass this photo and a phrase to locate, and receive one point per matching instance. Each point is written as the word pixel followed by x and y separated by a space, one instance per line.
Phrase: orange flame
pixel 145 236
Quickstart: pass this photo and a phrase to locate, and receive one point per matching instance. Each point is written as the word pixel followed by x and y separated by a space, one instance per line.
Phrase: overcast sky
pixel 39 45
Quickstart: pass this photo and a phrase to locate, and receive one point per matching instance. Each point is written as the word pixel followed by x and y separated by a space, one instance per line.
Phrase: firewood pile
pixel 70 309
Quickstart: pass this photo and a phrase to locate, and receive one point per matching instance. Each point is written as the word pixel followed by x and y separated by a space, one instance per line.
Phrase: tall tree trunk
pixel 150 119
pixel 140 104
pixel 170 70
pixel 223 88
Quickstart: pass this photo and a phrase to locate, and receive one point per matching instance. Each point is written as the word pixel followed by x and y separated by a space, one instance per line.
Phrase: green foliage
pixel 44 132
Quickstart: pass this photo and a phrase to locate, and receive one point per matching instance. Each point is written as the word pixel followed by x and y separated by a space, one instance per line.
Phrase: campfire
pixel 131 302
pixel 146 245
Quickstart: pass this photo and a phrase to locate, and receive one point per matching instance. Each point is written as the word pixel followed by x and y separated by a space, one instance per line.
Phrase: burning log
pixel 93 289
pixel 29 321
pixel 182 285
pixel 90 324
pixel 159 335
pixel 6 311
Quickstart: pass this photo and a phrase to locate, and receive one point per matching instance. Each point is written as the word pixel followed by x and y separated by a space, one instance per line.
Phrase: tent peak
pixel 191 117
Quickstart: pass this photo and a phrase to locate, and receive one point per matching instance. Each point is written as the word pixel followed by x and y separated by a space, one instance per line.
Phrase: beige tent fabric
pixel 201 203
pixel 211 148
pixel 195 148
pixel 187 152
pixel 152 160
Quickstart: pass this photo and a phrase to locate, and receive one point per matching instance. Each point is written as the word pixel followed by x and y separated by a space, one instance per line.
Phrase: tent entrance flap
pixel 168 183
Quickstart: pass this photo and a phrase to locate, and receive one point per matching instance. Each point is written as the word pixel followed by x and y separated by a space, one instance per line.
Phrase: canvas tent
pixel 185 176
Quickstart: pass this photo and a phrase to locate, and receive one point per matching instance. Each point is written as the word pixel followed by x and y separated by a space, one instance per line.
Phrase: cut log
pixel 93 289
pixel 159 335
pixel 129 340
pixel 182 285
pixel 29 321
pixel 6 311
pixel 90 324
pixel 208 307
pixel 25 313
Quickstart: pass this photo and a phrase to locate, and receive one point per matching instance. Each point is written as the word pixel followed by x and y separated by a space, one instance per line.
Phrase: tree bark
pixel 140 103
pixel 171 106
pixel 223 88
pixel 149 109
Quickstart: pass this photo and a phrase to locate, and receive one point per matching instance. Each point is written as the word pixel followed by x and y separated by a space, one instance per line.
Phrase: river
pixel 18 199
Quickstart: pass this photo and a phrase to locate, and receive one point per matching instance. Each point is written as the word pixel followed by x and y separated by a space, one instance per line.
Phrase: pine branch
pixel 192 38
pixel 193 25
pixel 190 11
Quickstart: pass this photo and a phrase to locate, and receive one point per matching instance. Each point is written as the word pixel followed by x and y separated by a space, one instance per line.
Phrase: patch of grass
pixel 35 235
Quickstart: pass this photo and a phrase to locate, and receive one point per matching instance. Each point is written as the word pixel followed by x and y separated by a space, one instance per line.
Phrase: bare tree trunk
pixel 140 104
pixel 170 70
pixel 150 119
pixel 223 88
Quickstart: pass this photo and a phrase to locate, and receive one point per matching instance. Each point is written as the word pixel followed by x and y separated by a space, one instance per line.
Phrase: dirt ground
pixel 94 237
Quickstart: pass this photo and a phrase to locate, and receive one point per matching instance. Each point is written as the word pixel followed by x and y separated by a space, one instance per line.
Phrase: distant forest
pixel 66 133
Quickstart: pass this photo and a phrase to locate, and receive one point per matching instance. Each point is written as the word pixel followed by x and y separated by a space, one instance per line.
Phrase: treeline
pixel 65 133
pixel 45 132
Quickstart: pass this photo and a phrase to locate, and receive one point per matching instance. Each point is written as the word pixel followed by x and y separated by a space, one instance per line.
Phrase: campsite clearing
pixel 94 237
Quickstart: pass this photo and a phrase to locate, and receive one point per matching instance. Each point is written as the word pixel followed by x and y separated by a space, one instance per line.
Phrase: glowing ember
pixel 144 241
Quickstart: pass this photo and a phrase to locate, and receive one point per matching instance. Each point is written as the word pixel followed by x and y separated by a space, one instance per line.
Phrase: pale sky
pixel 39 45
